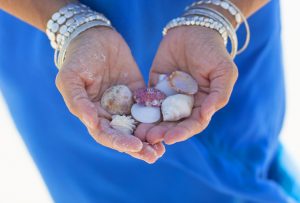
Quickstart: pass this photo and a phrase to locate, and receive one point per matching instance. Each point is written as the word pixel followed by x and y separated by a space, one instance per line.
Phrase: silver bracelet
pixel 234 11
pixel 59 55
pixel 223 4
pixel 198 21
pixel 211 13
pixel 68 23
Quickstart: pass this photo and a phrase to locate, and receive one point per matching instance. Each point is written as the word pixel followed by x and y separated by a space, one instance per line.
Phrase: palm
pixel 95 61
pixel 200 52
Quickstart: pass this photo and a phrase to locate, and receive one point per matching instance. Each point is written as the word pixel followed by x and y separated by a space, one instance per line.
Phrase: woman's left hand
pixel 200 52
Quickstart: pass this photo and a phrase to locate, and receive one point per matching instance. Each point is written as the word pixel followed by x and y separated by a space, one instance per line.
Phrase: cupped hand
pixel 96 60
pixel 200 52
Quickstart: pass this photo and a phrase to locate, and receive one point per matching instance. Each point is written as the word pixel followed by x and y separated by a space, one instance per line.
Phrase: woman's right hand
pixel 96 60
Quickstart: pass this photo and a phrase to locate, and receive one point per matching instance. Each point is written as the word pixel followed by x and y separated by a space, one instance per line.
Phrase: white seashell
pixel 125 124
pixel 162 77
pixel 183 83
pixel 117 100
pixel 165 86
pixel 145 114
pixel 177 106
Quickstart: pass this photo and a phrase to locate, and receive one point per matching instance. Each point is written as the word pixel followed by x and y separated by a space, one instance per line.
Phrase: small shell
pixel 117 100
pixel 177 107
pixel 145 114
pixel 149 96
pixel 125 124
pixel 183 83
pixel 164 86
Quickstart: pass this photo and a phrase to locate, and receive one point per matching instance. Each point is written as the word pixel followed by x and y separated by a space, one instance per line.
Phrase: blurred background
pixel 21 182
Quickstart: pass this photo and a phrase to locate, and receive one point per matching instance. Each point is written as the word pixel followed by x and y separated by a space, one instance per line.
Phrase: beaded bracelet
pixel 234 11
pixel 211 13
pixel 68 23
pixel 223 4
pixel 199 21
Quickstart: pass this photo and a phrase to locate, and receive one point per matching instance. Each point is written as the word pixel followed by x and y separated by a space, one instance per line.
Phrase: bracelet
pixel 234 11
pixel 198 21
pixel 59 56
pixel 211 13
pixel 60 18
pixel 68 23
pixel 223 4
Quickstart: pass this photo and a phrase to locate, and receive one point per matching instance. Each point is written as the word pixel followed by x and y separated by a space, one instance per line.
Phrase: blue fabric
pixel 234 160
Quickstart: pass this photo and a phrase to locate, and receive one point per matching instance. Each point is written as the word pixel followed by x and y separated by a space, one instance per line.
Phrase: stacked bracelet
pixel 233 10
pixel 214 20
pixel 200 21
pixel 227 5
pixel 68 23
pixel 211 13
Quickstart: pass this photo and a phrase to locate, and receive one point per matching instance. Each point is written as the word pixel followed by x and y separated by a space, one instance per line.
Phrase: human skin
pixel 98 58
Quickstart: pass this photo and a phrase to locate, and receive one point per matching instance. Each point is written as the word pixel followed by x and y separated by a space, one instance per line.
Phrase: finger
pixel 156 134
pixel 222 81
pixel 75 96
pixel 142 129
pixel 187 128
pixel 149 153
pixel 114 139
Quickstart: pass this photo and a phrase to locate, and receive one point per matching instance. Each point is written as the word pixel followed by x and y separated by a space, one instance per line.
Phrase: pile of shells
pixel 172 99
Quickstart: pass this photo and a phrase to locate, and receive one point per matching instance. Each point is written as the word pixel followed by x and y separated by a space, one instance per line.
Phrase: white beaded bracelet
pixel 198 21
pixel 68 23
pixel 59 56
pixel 223 4
pixel 234 11
pixel 211 13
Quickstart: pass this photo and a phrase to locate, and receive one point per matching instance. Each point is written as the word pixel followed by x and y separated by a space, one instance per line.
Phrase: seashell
pixel 145 114
pixel 149 96
pixel 162 77
pixel 177 106
pixel 125 124
pixel 164 85
pixel 183 82
pixel 117 100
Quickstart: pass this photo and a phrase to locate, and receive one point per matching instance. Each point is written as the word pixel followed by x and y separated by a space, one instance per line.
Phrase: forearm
pixel 34 12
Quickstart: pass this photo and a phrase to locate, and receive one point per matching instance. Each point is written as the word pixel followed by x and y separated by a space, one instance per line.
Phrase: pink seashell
pixel 183 82
pixel 149 96
pixel 117 100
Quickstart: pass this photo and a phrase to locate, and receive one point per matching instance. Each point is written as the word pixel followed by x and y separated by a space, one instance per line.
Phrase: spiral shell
pixel 125 124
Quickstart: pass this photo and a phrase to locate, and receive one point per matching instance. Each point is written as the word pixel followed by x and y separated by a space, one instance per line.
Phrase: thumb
pixel 222 80
pixel 72 89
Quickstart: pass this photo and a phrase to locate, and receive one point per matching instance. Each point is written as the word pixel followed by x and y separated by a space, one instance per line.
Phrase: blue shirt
pixel 234 160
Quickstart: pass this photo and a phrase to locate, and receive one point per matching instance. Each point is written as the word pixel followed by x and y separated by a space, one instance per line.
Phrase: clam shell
pixel 145 114
pixel 177 106
pixel 183 83
pixel 117 100
pixel 164 86
pixel 125 124
pixel 149 96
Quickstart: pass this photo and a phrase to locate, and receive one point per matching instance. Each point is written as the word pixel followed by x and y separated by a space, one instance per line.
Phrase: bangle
pixel 59 56
pixel 68 23
pixel 198 21
pixel 211 13
pixel 234 11
pixel 223 4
